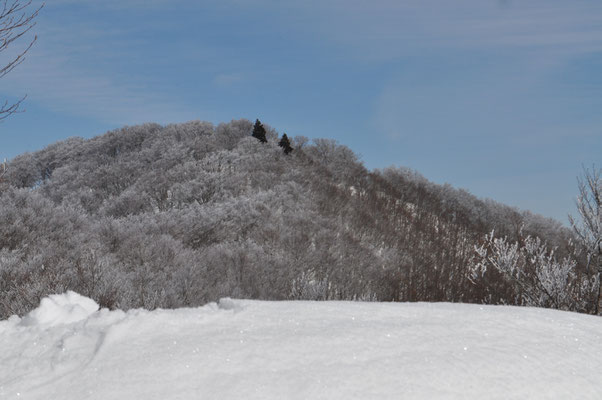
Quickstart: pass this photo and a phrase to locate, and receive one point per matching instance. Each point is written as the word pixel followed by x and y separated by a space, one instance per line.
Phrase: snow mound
pixel 60 309
pixel 227 303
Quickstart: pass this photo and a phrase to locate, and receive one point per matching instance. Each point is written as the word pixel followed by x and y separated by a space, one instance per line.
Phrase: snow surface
pixel 240 349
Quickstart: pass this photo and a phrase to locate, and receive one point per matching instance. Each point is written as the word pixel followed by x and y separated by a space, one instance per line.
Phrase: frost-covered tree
pixel 285 144
pixel 16 19
pixel 589 229
pixel 538 276
pixel 259 132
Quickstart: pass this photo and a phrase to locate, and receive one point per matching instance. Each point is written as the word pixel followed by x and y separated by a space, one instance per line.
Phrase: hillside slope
pixel 170 216
pixel 299 350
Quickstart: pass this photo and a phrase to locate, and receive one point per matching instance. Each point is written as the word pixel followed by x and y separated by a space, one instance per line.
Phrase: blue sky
pixel 503 98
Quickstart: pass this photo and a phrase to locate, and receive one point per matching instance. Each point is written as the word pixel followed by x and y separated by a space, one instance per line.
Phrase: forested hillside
pixel 169 216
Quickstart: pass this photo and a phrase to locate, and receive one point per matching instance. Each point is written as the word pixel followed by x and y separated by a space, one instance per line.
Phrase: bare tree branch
pixel 15 21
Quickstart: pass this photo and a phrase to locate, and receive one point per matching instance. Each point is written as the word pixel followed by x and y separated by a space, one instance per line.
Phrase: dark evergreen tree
pixel 285 144
pixel 259 132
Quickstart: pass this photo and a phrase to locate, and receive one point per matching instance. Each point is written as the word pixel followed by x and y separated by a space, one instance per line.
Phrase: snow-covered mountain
pixel 240 349
pixel 175 216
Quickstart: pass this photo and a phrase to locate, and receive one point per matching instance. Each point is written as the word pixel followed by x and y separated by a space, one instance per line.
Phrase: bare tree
pixel 589 230
pixel 2 170
pixel 16 19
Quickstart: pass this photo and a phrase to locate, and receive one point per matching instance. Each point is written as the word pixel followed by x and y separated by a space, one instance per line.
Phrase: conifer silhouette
pixel 259 132
pixel 285 144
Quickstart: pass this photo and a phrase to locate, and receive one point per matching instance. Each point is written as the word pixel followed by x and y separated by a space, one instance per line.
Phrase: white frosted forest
pixel 154 216
pixel 241 349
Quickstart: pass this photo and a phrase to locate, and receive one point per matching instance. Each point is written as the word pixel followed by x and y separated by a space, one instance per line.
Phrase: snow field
pixel 241 349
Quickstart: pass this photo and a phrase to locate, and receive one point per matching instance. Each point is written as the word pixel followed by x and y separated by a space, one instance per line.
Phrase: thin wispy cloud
pixel 74 69
pixel 398 28
pixel 48 78
pixel 385 29
pixel 518 49
pixel 78 93
pixel 118 4
pixel 228 79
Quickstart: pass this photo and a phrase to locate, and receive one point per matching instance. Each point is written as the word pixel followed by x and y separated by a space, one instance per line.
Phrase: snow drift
pixel 61 309
pixel 239 349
